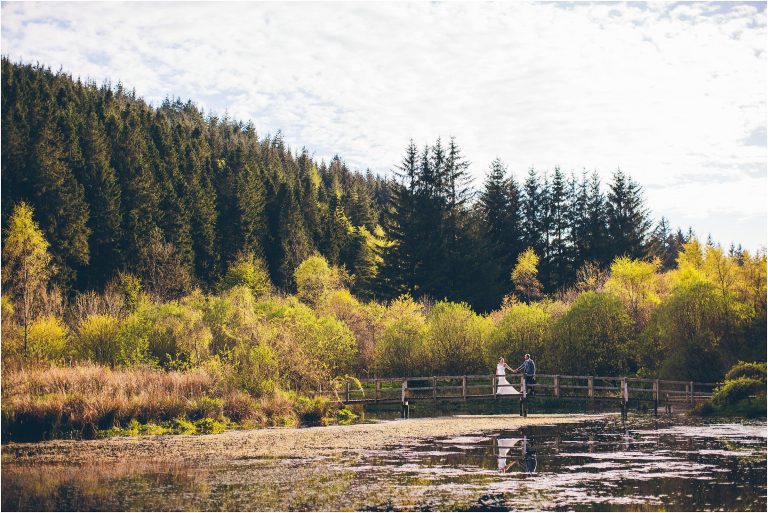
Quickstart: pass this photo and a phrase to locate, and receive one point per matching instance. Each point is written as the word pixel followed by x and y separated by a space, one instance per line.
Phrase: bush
pixel 522 329
pixel 48 339
pixel 98 339
pixel 400 350
pixel 753 370
pixel 208 426
pixel 250 272
pixel 592 337
pixel 737 390
pixel 312 410
pixel 178 335
pixel 315 278
pixel 455 339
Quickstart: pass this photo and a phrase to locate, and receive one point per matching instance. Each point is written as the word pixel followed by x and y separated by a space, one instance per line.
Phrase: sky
pixel 672 93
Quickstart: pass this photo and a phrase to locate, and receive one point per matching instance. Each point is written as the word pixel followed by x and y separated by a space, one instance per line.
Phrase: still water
pixel 601 465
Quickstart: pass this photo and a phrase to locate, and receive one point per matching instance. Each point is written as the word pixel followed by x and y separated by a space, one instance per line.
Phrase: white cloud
pixel 672 93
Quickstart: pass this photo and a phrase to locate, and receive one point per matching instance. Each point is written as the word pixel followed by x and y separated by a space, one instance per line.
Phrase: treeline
pixel 251 354
pixel 120 186
pixel 174 197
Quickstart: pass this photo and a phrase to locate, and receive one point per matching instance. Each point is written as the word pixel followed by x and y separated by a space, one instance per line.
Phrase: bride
pixel 502 386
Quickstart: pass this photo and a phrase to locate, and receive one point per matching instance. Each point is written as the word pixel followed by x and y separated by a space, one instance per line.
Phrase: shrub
pixel 98 339
pixel 737 390
pixel 48 339
pixel 133 337
pixel 755 370
pixel 454 340
pixel 522 329
pixel 315 278
pixel 250 272
pixel 400 350
pixel 178 335
pixel 591 338
pixel 345 416
pixel 312 410
pixel 240 406
pixel 279 408
pixel 208 426
pixel 256 369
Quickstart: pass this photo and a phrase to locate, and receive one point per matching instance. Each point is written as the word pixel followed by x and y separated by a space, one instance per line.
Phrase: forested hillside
pixel 162 267
pixel 173 195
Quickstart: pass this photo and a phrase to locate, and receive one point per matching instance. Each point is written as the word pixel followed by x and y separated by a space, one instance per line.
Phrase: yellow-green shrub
pixel 98 339
pixel 454 339
pixel 522 329
pixel 48 339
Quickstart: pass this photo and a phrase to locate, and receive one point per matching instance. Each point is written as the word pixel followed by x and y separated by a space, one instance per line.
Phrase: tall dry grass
pixel 49 401
pixel 52 401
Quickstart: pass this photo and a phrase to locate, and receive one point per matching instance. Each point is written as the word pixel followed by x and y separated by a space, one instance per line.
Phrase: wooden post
pixel 687 392
pixel 556 391
pixel 693 400
pixel 494 385
pixel 624 398
pixel 656 398
pixel 591 391
pixel 404 400
pixel 464 387
pixel 523 397
pixel 376 389
pixel 434 388
pixel 347 391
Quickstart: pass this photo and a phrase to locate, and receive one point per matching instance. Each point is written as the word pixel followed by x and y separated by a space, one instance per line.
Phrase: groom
pixel 529 371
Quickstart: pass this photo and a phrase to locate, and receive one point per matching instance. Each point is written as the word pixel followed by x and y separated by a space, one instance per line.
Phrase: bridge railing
pixel 560 386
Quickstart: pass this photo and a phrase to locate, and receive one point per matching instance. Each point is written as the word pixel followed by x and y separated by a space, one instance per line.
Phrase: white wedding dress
pixel 502 385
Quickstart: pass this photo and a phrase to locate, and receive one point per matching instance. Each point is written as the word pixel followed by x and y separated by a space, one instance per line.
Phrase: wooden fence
pixel 591 389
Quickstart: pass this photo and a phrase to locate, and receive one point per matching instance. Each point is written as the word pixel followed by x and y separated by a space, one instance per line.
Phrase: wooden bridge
pixel 590 389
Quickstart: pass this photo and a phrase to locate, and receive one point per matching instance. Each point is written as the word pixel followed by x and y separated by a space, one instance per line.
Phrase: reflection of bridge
pixel 590 389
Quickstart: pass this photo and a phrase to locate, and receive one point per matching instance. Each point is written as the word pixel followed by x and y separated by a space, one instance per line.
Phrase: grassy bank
pixel 90 400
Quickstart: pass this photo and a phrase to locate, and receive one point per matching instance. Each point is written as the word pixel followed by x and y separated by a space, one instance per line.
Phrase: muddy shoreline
pixel 269 443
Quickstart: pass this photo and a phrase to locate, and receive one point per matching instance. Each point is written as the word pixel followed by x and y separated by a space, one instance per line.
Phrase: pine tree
pixel 532 212
pixel 103 194
pixel 557 259
pixel 628 221
pixel 61 206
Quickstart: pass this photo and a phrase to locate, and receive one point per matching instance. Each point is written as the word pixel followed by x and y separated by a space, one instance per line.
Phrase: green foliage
pixel 400 351
pixel 208 426
pixel 522 329
pixel 739 389
pixel 48 339
pixel 592 337
pixel 524 275
pixel 754 370
pixel 26 264
pixel 130 288
pixel 98 339
pixel 682 339
pixel 315 278
pixel 248 271
pixel 454 340
pixel 345 416
pixel 177 334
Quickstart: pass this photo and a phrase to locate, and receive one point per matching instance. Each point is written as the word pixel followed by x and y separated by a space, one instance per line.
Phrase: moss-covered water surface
pixel 594 464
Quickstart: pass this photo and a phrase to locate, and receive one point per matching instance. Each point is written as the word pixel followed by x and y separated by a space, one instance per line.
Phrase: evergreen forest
pixel 168 248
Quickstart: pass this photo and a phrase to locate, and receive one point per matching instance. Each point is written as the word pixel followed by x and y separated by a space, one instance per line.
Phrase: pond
pixel 670 463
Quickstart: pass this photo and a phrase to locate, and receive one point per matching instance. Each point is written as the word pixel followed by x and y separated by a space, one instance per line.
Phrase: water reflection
pixel 524 458
pixel 602 465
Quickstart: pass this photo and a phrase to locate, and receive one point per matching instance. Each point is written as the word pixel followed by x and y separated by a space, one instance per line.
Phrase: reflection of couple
pixel 503 387
pixel 528 460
